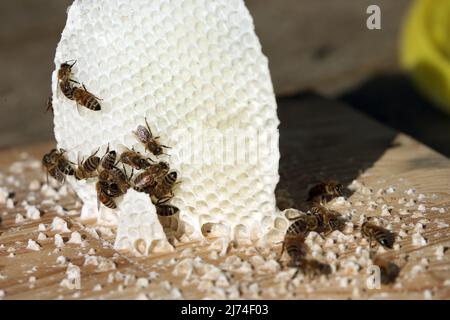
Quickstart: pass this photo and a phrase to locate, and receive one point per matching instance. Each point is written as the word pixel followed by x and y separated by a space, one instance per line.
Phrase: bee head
pixel 143 163
pixel 164 165
pixel 158 150
pixel 173 175
pixel 338 189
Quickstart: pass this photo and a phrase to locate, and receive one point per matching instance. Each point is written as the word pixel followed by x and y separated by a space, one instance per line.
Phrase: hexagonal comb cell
pixel 195 71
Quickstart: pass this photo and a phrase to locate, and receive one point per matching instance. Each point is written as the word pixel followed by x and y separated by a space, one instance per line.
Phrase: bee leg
pixel 148 127
pixel 165 146
pixel 295 274
pixel 74 81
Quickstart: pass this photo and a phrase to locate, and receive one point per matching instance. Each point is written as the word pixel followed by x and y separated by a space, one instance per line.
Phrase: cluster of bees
pixel 324 221
pixel 153 177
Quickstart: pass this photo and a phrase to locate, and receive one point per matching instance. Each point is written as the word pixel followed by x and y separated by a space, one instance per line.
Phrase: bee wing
pixel 143 134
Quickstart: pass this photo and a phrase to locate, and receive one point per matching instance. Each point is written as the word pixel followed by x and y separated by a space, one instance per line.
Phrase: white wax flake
pixel 59 242
pixel 391 190
pixel 366 191
pixel 61 260
pixel 41 236
pixel 418 240
pixel 2 294
pixel 102 264
pixel 92 251
pixel 73 277
pixel 340 201
pixel 19 218
pixel 59 210
pixel 33 245
pixel 421 197
pixel 75 238
pixel 410 192
pixel 427 295
pixel 386 210
pixel 32 279
pixel 354 186
pixel 4 194
pixel 48 192
pixel 33 212
pixel 142 283
pixel 372 205
pixel 97 287
pixel 439 252
pixel 422 208
pixel 59 225
pixel 10 203
pixel 34 185
pixel 41 227
pixel 418 228
pixel 441 224
pixel 410 203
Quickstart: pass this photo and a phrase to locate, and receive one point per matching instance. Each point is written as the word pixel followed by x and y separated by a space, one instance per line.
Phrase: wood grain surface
pixel 320 139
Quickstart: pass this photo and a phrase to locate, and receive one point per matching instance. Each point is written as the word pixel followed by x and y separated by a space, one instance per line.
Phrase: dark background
pixel 321 46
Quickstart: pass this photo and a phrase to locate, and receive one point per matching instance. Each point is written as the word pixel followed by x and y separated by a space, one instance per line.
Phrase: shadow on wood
pixel 315 146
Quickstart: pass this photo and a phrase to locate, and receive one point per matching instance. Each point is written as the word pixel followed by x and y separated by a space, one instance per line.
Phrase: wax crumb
pixel 59 242
pixel 97 287
pixel 390 190
pixel 422 208
pixel 61 260
pixel 2 294
pixel 59 225
pixel 34 185
pixel 75 238
pixel 73 277
pixel 142 282
pixel 418 239
pixel 41 227
pixel 41 236
pixel 427 295
pixel 10 204
pixel 411 192
pixel 33 245
pixel 439 252
pixel 19 218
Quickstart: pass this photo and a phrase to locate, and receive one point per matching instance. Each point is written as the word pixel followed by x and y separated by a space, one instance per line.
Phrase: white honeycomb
pixel 195 70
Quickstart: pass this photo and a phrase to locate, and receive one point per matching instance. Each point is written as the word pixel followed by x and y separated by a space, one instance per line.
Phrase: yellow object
pixel 425 49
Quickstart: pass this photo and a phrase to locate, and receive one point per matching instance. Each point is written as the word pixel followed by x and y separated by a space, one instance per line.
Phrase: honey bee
pixel 329 220
pixel 64 73
pixel 294 244
pixel 163 188
pixel 324 192
pixel 383 236
pixel 311 267
pixel 86 99
pixel 305 224
pixel 102 188
pixel 108 161
pixel 147 180
pixel 86 169
pixel 165 210
pixel 134 159
pixel 119 178
pixel 57 165
pixel 389 271
pixel 145 136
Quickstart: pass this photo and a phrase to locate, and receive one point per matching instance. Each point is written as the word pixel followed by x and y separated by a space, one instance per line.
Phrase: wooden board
pixel 320 139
